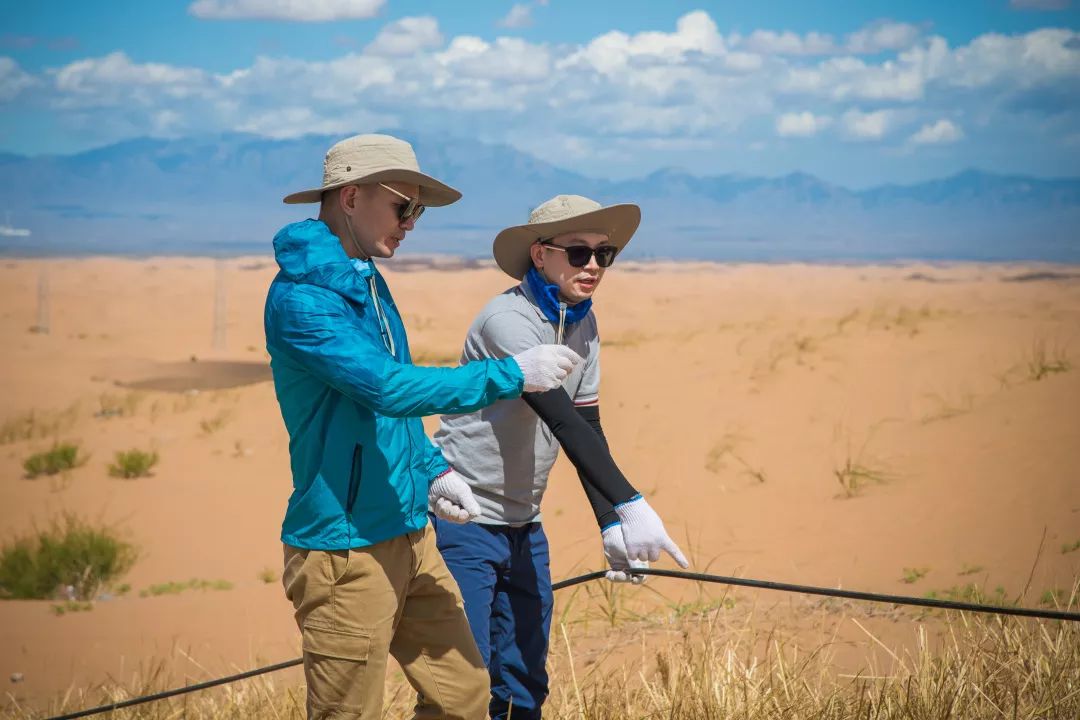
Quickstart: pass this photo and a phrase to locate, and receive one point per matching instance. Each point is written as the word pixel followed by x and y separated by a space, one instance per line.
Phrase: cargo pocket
pixel 354 645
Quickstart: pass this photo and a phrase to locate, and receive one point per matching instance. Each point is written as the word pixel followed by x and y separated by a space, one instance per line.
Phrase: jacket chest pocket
pixel 356 472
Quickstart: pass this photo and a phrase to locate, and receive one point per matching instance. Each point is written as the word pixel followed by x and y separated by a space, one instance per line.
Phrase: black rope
pixel 180 691
pixel 679 574
pixel 857 595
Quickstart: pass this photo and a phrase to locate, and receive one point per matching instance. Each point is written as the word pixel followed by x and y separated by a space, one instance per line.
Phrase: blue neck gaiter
pixel 547 298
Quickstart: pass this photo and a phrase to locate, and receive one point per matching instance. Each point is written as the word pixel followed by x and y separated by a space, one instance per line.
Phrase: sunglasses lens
pixel 578 256
pixel 605 256
pixel 412 211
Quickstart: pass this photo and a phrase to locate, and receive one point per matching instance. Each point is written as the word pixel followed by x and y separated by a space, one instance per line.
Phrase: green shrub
pixel 60 457
pixel 133 463
pixel 69 554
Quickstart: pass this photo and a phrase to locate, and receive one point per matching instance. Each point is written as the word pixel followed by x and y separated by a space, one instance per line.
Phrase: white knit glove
pixel 451 498
pixel 615 554
pixel 644 533
pixel 545 367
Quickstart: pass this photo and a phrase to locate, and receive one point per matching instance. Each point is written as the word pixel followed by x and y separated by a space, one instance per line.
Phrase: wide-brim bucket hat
pixel 366 159
pixel 563 214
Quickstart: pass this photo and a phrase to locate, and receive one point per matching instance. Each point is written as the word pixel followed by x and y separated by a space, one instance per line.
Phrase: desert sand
pixel 734 396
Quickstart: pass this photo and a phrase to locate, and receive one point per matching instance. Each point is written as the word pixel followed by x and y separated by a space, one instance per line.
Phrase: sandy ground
pixel 733 395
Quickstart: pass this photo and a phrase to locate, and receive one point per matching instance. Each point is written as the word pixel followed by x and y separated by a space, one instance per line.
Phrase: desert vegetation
pixel 70 559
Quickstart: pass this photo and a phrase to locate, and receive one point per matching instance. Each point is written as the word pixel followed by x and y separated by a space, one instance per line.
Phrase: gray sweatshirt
pixel 505 451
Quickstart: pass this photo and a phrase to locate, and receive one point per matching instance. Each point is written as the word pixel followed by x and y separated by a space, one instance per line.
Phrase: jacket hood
pixel 308 253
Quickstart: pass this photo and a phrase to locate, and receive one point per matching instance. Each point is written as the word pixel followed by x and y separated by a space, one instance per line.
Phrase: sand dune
pixel 813 424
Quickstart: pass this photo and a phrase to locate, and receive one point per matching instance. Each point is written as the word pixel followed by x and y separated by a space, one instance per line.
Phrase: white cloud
pixel 846 77
pixel 768 42
pixel 519 16
pixel 882 36
pixel 114 77
pixel 508 59
pixel 689 82
pixel 877 37
pixel 941 132
pixel 292 10
pixel 1022 60
pixel 13 80
pixel 612 52
pixel 407 36
pixel 801 124
pixel 867 125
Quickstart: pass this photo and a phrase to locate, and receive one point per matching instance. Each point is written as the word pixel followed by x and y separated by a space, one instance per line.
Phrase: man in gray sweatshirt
pixel 504 452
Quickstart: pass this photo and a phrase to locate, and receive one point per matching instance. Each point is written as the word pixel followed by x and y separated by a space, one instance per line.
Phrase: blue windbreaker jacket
pixel 361 462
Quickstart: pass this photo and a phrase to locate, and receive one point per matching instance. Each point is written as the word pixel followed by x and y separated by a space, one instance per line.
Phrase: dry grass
pixel 728 448
pixel 37 424
pixel 720 663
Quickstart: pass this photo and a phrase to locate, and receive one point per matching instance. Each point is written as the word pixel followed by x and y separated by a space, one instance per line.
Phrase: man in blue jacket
pixel 361 566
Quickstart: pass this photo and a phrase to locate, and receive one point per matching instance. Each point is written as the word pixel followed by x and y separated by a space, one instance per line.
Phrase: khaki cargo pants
pixel 354 607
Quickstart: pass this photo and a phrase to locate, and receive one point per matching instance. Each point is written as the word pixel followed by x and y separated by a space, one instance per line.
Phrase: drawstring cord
pixel 384 324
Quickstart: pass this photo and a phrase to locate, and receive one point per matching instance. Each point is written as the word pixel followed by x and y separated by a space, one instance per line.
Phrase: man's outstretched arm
pixel 642 529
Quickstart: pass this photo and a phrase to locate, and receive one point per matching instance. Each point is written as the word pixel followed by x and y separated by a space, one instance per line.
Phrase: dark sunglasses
pixel 579 255
pixel 412 210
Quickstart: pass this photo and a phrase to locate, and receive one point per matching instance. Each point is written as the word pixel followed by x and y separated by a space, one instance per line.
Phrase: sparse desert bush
pixel 903 319
pixel 55 460
pixel 37 424
pixel 211 425
pixel 133 463
pixel 726 447
pixel 948 406
pixel 853 476
pixel 1070 547
pixel 113 405
pixel 912 575
pixel 175 588
pixel 858 469
pixel 71 606
pixel 1044 361
pixel 70 557
pixel 1041 361
pixel 268 575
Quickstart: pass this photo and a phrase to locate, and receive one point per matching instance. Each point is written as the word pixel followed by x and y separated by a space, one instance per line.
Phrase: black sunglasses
pixel 412 210
pixel 579 255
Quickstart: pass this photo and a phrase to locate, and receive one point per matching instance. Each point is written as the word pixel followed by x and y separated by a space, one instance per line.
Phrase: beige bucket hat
pixel 563 214
pixel 363 159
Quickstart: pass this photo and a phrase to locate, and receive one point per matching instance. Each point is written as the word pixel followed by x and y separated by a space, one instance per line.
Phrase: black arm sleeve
pixel 580 434
pixel 601 506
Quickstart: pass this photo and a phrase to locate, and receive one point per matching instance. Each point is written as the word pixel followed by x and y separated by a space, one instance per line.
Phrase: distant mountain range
pixel 222 196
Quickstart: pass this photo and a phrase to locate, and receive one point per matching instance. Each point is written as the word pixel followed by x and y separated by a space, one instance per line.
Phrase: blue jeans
pixel 505 578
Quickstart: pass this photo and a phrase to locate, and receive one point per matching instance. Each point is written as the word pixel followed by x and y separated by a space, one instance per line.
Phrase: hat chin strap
pixel 352 236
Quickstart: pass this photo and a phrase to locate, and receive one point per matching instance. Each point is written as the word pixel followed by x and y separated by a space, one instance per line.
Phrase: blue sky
pixel 859 93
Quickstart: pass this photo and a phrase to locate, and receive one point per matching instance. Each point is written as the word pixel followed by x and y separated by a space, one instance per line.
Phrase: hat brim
pixel 511 246
pixel 432 192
